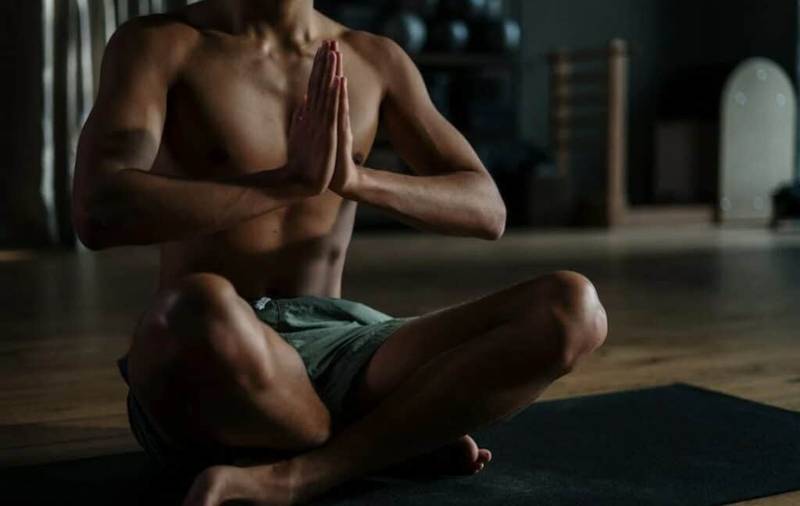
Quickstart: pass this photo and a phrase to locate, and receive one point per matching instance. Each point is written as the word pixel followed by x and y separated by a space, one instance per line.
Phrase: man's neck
pixel 291 22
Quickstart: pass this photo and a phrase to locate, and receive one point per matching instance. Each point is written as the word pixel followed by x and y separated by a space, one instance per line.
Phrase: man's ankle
pixel 308 478
pixel 297 479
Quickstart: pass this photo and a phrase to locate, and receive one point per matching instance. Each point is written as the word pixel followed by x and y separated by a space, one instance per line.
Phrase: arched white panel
pixel 757 148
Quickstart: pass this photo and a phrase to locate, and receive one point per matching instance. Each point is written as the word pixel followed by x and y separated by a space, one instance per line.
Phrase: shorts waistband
pixel 260 303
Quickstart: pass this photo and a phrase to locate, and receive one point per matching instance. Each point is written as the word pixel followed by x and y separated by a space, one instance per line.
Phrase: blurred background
pixel 648 144
pixel 587 114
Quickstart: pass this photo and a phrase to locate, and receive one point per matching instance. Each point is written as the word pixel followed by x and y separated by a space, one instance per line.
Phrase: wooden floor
pixel 715 308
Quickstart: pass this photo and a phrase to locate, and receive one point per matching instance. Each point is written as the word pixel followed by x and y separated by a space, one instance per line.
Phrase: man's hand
pixel 449 190
pixel 347 174
pixel 313 132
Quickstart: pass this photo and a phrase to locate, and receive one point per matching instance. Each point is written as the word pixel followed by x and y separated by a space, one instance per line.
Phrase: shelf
pixel 472 137
pixel 466 60
pixel 678 214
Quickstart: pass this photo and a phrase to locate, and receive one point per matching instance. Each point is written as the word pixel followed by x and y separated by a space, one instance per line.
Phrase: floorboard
pixel 711 307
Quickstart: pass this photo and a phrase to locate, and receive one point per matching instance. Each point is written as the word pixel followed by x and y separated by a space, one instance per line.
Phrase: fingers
pixel 313 80
pixel 329 73
pixel 346 104
pixel 332 110
pixel 324 88
pixel 344 112
pixel 332 84
pixel 339 60
pixel 324 82
pixel 315 88
pixel 327 66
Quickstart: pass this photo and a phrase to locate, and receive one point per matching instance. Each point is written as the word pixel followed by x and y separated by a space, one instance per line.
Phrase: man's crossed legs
pixel 203 361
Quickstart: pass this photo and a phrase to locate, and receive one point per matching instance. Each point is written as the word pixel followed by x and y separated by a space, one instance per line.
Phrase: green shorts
pixel 334 337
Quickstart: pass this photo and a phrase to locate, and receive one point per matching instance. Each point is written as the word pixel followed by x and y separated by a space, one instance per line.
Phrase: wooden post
pixel 559 84
pixel 616 190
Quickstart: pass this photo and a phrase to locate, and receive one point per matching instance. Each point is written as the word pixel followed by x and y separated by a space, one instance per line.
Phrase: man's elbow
pixel 93 223
pixel 493 213
pixel 91 233
pixel 493 223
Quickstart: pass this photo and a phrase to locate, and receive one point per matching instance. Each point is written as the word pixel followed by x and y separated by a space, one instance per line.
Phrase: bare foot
pixel 459 458
pixel 271 485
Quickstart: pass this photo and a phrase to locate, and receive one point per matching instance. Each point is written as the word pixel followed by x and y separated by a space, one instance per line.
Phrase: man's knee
pixel 209 327
pixel 196 303
pixel 567 304
pixel 211 350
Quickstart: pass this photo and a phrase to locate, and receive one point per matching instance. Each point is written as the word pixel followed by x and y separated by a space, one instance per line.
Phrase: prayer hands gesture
pixel 320 137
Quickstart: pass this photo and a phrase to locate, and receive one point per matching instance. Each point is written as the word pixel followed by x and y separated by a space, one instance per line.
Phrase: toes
pixel 468 446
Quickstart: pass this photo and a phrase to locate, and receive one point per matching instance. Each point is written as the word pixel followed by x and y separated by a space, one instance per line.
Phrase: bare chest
pixel 230 113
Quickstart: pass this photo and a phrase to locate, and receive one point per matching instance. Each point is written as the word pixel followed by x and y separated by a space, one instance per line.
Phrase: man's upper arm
pixel 124 128
pixel 420 134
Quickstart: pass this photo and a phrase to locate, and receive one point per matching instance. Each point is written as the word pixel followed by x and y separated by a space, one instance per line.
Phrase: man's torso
pixel 228 114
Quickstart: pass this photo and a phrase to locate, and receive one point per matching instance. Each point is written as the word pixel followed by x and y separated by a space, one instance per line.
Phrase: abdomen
pixel 298 250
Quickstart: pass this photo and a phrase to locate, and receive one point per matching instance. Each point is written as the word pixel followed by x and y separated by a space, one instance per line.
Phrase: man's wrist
pixel 283 179
pixel 356 183
pixel 267 178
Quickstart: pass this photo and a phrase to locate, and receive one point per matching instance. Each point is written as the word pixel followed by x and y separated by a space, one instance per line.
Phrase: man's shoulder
pixel 368 41
pixel 165 39
pixel 384 54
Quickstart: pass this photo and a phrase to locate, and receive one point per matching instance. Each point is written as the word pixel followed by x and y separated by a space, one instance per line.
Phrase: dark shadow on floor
pixel 672 445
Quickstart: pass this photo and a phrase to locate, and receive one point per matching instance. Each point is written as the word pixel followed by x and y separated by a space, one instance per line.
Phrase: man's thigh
pixel 423 338
pixel 213 361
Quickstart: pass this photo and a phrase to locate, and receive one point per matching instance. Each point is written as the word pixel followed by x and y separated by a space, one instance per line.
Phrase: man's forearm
pixel 464 203
pixel 138 207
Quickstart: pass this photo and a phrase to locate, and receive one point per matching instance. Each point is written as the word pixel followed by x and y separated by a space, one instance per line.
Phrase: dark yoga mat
pixel 674 445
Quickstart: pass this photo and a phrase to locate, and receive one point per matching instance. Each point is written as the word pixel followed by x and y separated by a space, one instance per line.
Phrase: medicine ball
pixel 449 35
pixel 495 9
pixel 408 30
pixel 503 35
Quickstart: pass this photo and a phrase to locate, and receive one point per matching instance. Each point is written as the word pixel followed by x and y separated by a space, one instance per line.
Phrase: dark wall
pixel 673 41
pixel 24 219
pixel 683 41
pixel 21 208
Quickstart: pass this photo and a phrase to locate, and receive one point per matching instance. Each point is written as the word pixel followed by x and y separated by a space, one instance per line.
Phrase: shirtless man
pixel 233 134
